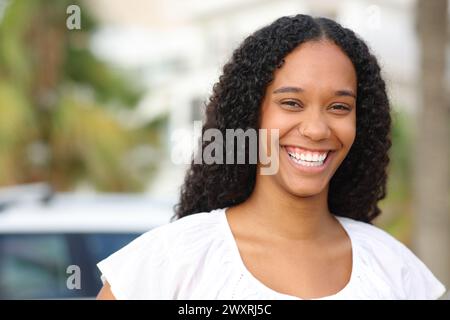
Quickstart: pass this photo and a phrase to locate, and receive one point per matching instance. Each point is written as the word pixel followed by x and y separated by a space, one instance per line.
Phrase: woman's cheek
pixel 273 118
pixel 347 132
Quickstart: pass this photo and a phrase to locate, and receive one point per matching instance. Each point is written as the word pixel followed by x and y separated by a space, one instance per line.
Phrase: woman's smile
pixel 307 161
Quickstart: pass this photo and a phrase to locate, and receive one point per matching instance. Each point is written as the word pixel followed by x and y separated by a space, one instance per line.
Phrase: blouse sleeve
pixel 139 270
pixel 419 281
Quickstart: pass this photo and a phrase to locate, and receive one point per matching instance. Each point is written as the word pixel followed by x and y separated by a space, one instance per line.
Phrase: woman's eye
pixel 291 104
pixel 341 107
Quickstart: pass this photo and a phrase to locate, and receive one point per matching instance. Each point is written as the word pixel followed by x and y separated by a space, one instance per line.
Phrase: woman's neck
pixel 287 216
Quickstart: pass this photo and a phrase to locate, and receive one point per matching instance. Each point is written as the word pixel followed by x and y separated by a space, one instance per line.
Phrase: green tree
pixel 59 104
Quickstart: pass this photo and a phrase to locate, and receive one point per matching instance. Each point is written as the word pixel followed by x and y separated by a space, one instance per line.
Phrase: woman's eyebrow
pixel 288 89
pixel 347 93
pixel 338 93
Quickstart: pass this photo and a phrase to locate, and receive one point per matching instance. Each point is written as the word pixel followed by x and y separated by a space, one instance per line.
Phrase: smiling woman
pixel 304 231
pixel 312 102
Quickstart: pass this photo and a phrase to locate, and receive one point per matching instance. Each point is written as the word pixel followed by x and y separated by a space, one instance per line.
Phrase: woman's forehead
pixel 317 63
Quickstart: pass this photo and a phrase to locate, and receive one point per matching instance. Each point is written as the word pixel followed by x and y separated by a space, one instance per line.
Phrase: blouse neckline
pixel 246 273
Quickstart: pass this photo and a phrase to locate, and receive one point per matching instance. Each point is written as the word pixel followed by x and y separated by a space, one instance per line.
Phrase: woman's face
pixel 312 101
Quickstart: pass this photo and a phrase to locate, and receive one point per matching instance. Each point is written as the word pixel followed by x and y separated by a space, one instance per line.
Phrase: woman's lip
pixel 306 149
pixel 311 169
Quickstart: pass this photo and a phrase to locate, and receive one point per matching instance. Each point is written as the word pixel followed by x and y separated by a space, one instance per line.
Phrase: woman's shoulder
pixel 371 235
pixel 153 264
pixel 192 230
pixel 392 261
pixel 181 238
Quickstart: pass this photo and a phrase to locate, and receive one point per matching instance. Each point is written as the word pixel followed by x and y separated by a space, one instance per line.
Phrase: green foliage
pixel 401 155
pixel 55 93
pixel 88 140
pixel 396 217
pixel 17 128
pixel 109 84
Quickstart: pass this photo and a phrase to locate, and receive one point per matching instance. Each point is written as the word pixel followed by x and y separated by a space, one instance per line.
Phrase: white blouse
pixel 196 257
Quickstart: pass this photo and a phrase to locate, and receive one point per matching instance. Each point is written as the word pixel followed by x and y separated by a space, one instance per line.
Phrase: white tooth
pixel 303 156
pixel 315 157
pixel 322 157
pixel 297 156
pixel 309 157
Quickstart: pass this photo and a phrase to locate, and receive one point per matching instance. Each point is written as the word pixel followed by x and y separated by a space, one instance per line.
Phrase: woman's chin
pixel 300 187
pixel 304 190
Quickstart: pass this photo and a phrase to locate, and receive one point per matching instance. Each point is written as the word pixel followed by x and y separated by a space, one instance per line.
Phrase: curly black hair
pixel 359 182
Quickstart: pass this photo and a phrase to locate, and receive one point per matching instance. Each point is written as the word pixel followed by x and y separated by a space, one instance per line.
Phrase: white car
pixel 50 243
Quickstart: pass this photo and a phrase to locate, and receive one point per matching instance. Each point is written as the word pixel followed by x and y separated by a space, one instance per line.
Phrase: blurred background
pixel 91 94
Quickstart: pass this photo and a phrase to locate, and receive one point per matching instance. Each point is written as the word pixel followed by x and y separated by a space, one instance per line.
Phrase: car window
pixel 34 266
pixel 103 244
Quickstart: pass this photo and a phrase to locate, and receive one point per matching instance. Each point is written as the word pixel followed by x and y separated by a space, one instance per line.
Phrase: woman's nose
pixel 315 127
